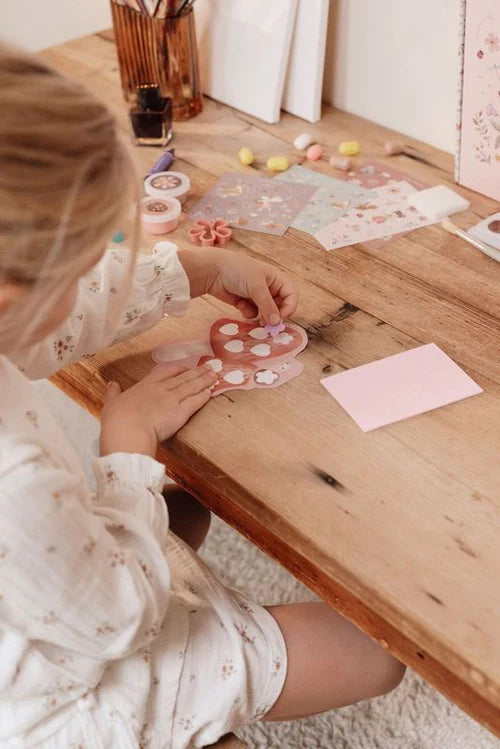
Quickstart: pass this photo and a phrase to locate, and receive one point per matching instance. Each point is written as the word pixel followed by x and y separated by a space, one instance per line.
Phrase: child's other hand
pixel 152 410
pixel 254 288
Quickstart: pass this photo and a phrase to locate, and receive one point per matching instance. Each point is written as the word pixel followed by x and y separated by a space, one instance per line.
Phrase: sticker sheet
pixel 242 353
pixel 255 203
pixel 488 231
pixel 400 386
pixel 331 200
pixel 373 174
pixel 386 214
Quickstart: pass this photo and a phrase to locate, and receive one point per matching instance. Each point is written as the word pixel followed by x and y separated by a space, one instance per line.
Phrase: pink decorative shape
pixel 281 360
pixel 210 233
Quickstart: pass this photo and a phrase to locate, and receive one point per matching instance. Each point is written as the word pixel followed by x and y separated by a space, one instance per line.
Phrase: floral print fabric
pixel 97 597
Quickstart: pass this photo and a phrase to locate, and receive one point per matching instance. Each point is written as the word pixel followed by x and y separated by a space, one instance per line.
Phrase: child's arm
pixel 162 284
pixel 102 316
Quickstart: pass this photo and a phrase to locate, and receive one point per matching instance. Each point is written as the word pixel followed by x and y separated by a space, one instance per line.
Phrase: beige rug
pixel 415 716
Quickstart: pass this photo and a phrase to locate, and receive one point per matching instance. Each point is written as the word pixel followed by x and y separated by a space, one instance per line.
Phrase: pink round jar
pixel 160 215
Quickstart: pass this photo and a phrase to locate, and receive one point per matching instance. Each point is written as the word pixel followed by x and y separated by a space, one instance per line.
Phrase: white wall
pixel 395 62
pixel 35 24
pixel 392 61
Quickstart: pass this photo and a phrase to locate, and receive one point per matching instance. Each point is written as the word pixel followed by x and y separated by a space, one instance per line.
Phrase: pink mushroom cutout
pixel 243 354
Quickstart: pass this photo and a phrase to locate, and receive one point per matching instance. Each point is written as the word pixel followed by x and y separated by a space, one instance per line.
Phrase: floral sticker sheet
pixel 330 201
pixel 386 214
pixel 255 203
pixel 373 174
pixel 479 159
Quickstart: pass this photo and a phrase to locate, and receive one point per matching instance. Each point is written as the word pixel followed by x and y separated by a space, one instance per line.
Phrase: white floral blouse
pixel 84 579
pixel 110 637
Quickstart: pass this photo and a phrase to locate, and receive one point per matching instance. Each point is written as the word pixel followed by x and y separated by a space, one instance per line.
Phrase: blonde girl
pixel 113 632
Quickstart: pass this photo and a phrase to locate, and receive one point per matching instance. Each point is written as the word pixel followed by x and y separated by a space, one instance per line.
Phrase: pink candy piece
pixel 315 152
pixel 273 330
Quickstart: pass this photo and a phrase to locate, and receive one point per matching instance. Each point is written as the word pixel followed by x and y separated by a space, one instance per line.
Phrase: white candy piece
pixel 261 349
pixel 215 365
pixel 234 377
pixel 438 202
pixel 302 141
pixel 230 329
pixel 235 347
pixel 259 333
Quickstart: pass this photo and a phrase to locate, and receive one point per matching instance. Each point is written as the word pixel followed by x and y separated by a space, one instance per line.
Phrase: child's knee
pixel 391 673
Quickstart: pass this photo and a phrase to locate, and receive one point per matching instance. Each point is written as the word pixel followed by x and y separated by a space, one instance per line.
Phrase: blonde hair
pixel 66 181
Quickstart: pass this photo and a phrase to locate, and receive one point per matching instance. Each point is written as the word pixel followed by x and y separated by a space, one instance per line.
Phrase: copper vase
pixel 158 51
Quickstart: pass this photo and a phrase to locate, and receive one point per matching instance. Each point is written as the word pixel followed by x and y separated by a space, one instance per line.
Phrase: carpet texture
pixel 414 716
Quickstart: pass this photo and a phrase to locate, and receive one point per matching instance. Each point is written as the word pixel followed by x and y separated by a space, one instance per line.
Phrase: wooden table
pixel 398 529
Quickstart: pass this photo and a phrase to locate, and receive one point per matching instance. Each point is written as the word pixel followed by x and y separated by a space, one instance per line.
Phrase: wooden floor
pixel 399 528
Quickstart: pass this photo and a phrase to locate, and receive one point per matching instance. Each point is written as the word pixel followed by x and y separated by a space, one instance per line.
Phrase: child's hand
pixel 152 410
pixel 254 288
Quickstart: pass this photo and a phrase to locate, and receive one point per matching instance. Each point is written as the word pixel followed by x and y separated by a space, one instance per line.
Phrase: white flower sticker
pixel 230 329
pixel 283 338
pixel 259 333
pixel 266 377
pixel 235 347
pixel 234 377
pixel 261 349
pixel 215 364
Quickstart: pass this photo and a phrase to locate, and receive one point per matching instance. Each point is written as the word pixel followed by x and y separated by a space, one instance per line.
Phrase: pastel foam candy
pixel 278 163
pixel 302 141
pixel 344 164
pixel 315 152
pixel 349 148
pixel 245 155
pixel 438 202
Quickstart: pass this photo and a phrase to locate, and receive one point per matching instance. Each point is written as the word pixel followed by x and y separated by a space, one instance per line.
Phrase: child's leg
pixel 331 663
pixel 188 519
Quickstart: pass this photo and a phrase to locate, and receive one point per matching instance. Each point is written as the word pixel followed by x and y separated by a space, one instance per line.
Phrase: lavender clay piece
pixel 273 330
pixel 164 162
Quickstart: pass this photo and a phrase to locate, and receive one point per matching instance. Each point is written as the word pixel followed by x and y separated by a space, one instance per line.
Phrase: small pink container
pixel 160 215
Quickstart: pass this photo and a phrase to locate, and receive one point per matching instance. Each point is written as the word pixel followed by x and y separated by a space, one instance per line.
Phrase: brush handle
pixel 486 249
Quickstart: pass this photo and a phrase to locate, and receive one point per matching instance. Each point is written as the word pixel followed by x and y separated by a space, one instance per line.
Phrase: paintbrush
pixel 490 251
pixel 396 148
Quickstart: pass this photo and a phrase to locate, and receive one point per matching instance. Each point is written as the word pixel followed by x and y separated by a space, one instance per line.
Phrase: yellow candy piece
pixel 349 148
pixel 245 155
pixel 278 163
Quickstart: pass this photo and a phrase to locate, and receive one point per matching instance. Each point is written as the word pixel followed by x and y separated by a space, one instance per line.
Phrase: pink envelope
pixel 400 386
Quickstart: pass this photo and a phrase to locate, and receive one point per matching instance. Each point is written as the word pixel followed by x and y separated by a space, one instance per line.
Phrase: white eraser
pixel 438 202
